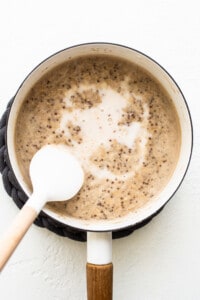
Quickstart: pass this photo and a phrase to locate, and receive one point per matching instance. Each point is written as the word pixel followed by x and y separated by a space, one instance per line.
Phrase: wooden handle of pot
pixel 99 281
pixel 15 233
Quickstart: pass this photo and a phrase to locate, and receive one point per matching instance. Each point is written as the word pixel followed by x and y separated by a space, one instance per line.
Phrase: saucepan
pixel 99 232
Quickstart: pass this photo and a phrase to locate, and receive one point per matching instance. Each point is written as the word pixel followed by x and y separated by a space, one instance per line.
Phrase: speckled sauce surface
pixel 116 119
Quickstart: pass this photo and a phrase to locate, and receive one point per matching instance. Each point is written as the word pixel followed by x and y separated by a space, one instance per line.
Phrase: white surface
pixel 161 260
pixel 99 248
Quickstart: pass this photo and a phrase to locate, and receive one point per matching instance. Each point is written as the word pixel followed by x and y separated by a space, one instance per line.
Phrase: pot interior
pixel 168 84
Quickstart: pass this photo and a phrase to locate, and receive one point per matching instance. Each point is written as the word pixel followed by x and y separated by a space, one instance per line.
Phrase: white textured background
pixel 162 260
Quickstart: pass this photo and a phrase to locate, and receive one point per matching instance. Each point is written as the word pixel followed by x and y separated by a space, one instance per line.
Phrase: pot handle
pixel 99 281
pixel 99 267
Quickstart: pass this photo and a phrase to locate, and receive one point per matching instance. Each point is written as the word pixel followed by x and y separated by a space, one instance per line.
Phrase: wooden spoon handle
pixel 99 281
pixel 15 233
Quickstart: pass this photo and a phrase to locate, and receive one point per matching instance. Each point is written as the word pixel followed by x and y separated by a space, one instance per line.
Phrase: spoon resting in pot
pixel 56 175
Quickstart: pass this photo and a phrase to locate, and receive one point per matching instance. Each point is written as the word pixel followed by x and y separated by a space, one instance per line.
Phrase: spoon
pixel 56 175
